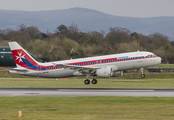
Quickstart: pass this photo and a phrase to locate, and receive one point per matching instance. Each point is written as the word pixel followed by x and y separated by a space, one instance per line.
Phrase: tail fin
pixel 21 57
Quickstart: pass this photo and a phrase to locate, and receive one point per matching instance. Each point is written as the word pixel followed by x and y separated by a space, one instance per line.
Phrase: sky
pixel 129 8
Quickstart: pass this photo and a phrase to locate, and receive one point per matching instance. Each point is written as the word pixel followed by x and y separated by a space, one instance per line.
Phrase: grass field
pixel 87 108
pixel 129 80
pixel 165 65
pixel 79 83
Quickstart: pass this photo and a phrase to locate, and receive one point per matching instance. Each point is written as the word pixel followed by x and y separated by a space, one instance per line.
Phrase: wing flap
pixel 79 68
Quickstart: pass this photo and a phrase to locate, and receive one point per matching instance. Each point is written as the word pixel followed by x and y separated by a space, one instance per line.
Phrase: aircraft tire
pixel 143 75
pixel 87 82
pixel 94 81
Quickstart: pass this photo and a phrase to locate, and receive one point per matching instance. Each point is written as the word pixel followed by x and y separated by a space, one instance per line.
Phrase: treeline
pixel 69 42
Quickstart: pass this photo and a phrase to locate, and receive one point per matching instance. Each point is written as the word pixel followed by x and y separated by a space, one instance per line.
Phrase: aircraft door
pixel 139 60
pixel 1 58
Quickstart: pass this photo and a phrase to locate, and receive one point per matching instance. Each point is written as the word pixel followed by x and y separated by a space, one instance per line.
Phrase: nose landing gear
pixel 142 75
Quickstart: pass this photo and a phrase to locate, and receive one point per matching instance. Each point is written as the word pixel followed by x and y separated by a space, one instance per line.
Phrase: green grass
pixel 132 75
pixel 6 74
pixel 129 80
pixel 79 83
pixel 165 65
pixel 86 108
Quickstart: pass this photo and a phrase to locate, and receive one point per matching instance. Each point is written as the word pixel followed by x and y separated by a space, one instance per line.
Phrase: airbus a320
pixel 100 66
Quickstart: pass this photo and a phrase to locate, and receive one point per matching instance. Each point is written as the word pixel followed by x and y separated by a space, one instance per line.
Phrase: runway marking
pixel 83 90
pixel 134 90
pixel 31 93
pixel 74 92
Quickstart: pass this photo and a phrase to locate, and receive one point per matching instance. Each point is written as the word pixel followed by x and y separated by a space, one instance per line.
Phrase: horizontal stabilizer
pixel 18 70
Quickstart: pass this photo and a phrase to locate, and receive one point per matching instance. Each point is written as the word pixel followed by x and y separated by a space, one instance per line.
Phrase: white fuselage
pixel 118 62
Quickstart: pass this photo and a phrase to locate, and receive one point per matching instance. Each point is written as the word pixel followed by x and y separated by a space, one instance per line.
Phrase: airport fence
pixel 154 69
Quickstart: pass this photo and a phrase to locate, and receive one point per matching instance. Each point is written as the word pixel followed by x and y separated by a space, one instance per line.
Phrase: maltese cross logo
pixel 20 56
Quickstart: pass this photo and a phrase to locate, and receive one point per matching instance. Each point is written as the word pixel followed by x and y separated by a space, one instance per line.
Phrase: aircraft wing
pixel 82 69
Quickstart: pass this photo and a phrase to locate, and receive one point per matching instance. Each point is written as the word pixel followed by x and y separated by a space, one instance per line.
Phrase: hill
pixel 87 20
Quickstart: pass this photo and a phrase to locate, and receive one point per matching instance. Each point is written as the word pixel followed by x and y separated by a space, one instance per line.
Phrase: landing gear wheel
pixel 94 81
pixel 143 75
pixel 87 82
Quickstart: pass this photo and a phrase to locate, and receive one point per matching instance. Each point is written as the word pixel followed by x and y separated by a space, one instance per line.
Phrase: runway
pixel 74 92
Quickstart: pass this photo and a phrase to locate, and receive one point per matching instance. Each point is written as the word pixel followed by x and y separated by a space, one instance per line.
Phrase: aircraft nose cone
pixel 161 60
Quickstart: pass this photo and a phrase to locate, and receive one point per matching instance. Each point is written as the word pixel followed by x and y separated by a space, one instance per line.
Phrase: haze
pixel 130 8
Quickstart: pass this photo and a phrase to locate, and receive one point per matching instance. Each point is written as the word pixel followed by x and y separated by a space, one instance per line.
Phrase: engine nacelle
pixel 104 72
pixel 117 74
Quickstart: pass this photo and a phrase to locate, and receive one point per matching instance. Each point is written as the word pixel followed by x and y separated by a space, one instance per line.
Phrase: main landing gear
pixel 87 81
pixel 93 81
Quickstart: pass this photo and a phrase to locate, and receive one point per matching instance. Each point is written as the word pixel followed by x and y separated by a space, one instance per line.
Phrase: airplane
pixel 6 57
pixel 100 66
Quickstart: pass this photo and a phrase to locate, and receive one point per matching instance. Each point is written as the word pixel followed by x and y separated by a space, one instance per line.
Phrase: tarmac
pixel 74 92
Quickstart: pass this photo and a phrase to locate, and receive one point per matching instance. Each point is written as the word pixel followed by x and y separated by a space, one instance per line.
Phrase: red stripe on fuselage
pixel 51 67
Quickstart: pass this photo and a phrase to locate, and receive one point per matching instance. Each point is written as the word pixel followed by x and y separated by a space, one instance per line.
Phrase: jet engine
pixel 104 72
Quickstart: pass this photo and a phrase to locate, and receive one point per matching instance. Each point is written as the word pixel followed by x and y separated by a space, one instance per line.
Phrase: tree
pixel 22 28
pixel 61 29
pixel 135 35
pixel 95 37
pixel 44 35
pixel 121 30
pixel 73 28
pixel 21 37
pixel 34 32
pixel 117 35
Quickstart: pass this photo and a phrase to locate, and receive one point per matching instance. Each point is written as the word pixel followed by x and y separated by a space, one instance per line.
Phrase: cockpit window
pixel 151 55
pixel 154 55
